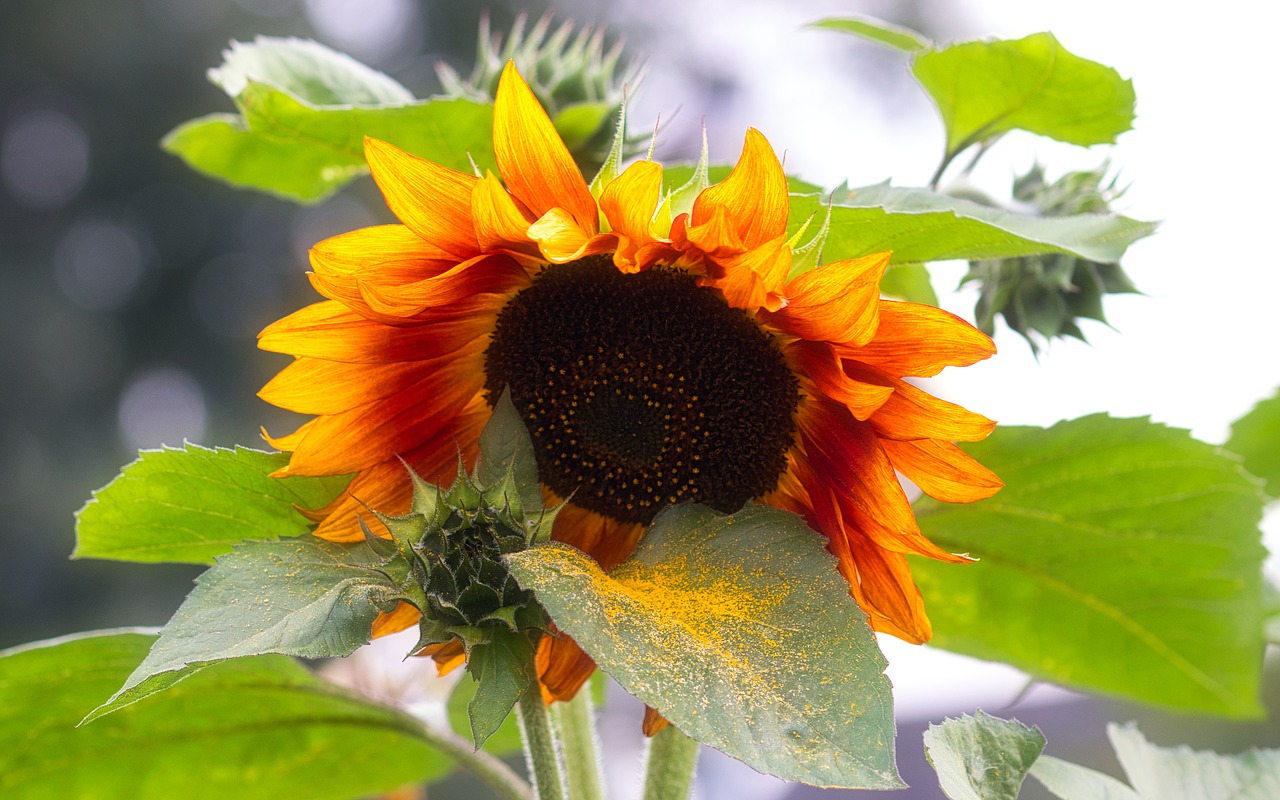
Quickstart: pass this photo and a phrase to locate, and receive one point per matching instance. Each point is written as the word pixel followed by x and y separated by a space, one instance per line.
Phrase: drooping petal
pixel 488 274
pixel 628 203
pixel 837 302
pixel 391 253
pixel 820 362
pixel 653 721
pixel 563 667
pixel 753 279
pixel 533 160
pixel 501 223
pixel 753 200
pixel 942 470
pixel 434 201
pixel 402 617
pixel 448 655
pixel 561 240
pixel 317 386
pixel 919 340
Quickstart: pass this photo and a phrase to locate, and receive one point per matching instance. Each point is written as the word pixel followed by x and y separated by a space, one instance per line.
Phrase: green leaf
pixel 189 505
pixel 895 36
pixel 982 757
pixel 919 226
pixel 504 740
pixel 1122 556
pixel 255 729
pixel 282 145
pixel 503 667
pixel 985 89
pixel 1160 773
pixel 1256 438
pixel 1074 782
pixel 308 70
pixel 910 282
pixel 300 597
pixel 740 631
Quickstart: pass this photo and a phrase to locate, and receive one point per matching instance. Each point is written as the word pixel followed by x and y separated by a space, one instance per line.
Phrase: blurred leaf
pixel 909 282
pixel 300 597
pixel 1074 782
pixel 308 70
pixel 282 145
pixel 1180 773
pixel 1122 556
pixel 254 729
pixel 982 757
pixel 919 226
pixel 740 631
pixel 985 89
pixel 189 505
pixel 503 741
pixel 1256 438
pixel 895 36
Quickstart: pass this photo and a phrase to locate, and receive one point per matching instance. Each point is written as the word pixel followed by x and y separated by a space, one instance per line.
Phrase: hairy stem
pixel 672 758
pixel 576 722
pixel 540 745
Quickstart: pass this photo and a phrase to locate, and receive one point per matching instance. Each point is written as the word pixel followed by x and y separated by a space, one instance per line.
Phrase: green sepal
pixel 506 467
pixel 503 666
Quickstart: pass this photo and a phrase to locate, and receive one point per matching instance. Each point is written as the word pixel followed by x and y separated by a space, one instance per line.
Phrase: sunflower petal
pixel 533 160
pixel 318 386
pixel 752 200
pixel 753 279
pixel 820 362
pixel 434 201
pixel 501 224
pixel 942 470
pixel 402 617
pixel 563 667
pixel 837 302
pixel 912 413
pixel 920 340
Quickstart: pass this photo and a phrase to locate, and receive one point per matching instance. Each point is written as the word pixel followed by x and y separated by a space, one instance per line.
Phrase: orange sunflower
pixel 658 352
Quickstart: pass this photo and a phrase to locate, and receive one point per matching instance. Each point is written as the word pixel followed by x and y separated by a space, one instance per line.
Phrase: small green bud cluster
pixel 580 82
pixel 1048 293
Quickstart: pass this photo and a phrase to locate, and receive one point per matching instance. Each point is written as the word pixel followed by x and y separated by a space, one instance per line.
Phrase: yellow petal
pixel 753 197
pixel 837 302
pixel 533 160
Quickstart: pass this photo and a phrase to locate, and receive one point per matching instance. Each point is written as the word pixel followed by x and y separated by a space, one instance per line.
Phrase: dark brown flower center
pixel 643 390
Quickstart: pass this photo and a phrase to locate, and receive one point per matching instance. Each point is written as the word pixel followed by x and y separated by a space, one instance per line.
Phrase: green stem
pixel 501 778
pixel 540 745
pixel 672 758
pixel 576 723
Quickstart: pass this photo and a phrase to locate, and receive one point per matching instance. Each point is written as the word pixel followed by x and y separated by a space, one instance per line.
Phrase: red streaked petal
pixel 920 340
pixel 317 386
pixel 393 253
pixel 434 201
pixel 890 595
pixel 753 198
pixel 942 470
pixel 912 413
pixel 563 667
pixel 819 361
pixel 837 302
pixel 533 160
pixel 606 541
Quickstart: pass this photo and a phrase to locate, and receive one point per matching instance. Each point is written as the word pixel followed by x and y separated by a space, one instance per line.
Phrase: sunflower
pixel 659 351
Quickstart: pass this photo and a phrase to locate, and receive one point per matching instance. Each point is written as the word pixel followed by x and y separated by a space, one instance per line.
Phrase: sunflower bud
pixel 579 82
pixel 1047 293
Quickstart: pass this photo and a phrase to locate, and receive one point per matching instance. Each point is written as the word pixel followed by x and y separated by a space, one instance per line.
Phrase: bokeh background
pixel 131 289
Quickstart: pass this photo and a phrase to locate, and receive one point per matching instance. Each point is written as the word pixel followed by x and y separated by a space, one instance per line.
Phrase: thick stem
pixel 501 778
pixel 672 758
pixel 540 745
pixel 576 722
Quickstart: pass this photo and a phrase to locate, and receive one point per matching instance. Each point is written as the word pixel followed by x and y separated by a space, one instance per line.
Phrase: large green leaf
pixel 985 89
pixel 741 632
pixel 1256 437
pixel 254 729
pixel 300 597
pixel 1122 556
pixel 189 505
pixel 982 757
pixel 1179 773
pixel 919 225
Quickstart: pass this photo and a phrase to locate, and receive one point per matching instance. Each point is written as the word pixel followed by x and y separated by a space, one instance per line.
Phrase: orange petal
pixel 607 541
pixel 563 667
pixel 819 361
pixel 432 200
pixel 331 331
pixel 403 617
pixel 448 655
pixel 628 204
pixel 890 594
pixel 560 240
pixel 837 302
pixel 533 160
pixel 753 198
pixel 396 304
pixel 919 340
pixel 360 437
pixel 392 253
pixel 942 470
pixel 753 279
pixel 912 413
pixel 316 386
